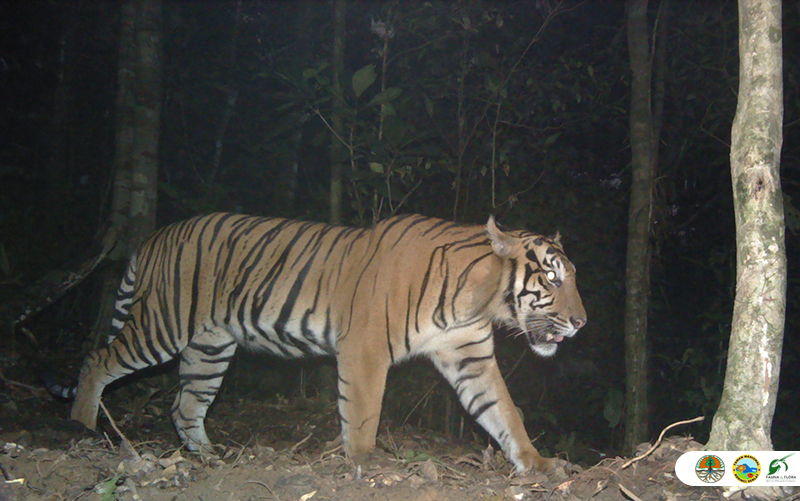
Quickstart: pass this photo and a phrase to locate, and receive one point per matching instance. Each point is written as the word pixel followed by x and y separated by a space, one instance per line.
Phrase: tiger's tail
pixel 56 389
pixel 122 307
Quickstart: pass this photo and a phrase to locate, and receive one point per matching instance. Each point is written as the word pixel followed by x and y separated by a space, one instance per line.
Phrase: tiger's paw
pixel 374 459
pixel 207 455
pixel 79 430
pixel 531 460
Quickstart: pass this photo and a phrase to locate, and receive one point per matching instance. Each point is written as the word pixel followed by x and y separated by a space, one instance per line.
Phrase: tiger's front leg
pixel 471 368
pixel 362 380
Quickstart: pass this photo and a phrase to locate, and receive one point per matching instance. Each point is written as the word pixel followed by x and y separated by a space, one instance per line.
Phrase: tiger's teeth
pixel 549 337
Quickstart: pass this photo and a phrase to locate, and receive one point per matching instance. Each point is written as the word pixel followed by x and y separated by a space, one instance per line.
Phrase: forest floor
pixel 278 450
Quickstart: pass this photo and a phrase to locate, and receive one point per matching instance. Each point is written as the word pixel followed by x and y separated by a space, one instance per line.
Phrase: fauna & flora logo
pixel 746 468
pixel 710 468
pixel 779 470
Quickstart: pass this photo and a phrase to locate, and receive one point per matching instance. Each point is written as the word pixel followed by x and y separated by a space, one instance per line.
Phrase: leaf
pixel 363 78
pixel 376 167
pixel 493 83
pixel 429 106
pixel 388 109
pixel 394 129
pixel 309 73
pixel 552 139
pixel 385 96
pixel 108 489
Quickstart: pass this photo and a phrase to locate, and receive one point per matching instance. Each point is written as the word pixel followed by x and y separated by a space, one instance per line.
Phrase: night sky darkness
pixel 557 135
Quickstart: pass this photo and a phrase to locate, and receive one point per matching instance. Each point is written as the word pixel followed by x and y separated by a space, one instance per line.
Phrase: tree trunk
pixel 327 373
pixel 637 280
pixel 58 136
pixel 138 107
pixel 337 120
pixel 124 134
pixel 147 120
pixel 231 92
pixel 744 418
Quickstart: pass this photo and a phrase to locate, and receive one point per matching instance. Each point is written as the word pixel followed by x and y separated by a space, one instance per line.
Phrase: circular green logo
pixel 710 469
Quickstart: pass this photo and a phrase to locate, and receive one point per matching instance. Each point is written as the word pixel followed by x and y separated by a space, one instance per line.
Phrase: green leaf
pixel 388 109
pixel 394 129
pixel 552 139
pixel 309 73
pixel 385 96
pixel 108 489
pixel 363 78
pixel 429 106
pixel 376 167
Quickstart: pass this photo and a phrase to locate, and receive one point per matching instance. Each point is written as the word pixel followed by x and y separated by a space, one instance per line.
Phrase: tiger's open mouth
pixel 543 331
pixel 544 337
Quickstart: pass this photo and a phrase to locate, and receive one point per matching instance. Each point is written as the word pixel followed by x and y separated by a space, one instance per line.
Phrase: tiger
pixel 411 286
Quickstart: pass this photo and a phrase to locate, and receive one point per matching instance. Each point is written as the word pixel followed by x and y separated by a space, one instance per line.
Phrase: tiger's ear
pixel 503 245
pixel 556 238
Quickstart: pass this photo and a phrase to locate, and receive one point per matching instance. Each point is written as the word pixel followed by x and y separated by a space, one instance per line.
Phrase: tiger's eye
pixel 551 275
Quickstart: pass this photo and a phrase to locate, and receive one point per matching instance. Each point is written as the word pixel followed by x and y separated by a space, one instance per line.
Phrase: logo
pixel 746 468
pixel 779 470
pixel 710 469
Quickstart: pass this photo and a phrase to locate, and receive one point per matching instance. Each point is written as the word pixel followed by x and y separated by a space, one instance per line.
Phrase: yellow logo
pixel 746 468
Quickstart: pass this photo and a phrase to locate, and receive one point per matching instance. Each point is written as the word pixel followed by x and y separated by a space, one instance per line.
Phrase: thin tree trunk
pixel 327 374
pixel 138 110
pixel 57 138
pixel 147 119
pixel 125 131
pixel 637 278
pixel 337 122
pixel 744 418
pixel 119 216
pixel 231 96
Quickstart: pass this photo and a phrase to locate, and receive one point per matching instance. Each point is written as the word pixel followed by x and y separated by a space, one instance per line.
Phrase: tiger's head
pixel 541 300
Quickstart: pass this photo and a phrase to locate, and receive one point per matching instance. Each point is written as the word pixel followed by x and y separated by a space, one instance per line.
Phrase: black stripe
pixel 471 360
pixel 474 398
pixel 388 329
pixel 186 378
pixel 483 408
pixel 508 296
pixel 408 316
pixel 473 343
pixel 417 220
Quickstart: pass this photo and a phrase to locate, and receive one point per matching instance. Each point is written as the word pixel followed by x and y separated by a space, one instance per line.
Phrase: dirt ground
pixel 279 450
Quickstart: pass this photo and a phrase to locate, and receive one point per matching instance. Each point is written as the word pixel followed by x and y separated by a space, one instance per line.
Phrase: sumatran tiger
pixel 410 286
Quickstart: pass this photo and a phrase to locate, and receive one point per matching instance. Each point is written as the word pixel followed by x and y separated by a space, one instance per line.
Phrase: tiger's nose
pixel 577 322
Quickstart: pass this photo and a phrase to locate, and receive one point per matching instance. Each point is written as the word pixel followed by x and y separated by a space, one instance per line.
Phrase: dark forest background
pixel 476 108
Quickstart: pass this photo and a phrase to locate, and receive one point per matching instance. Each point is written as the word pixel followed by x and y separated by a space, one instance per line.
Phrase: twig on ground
pixel 125 447
pixel 658 442
pixel 627 492
pixel 298 444
pixel 262 484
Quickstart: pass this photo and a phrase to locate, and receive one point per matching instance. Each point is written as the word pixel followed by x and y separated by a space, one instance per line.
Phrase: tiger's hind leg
pixel 202 368
pixel 125 355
